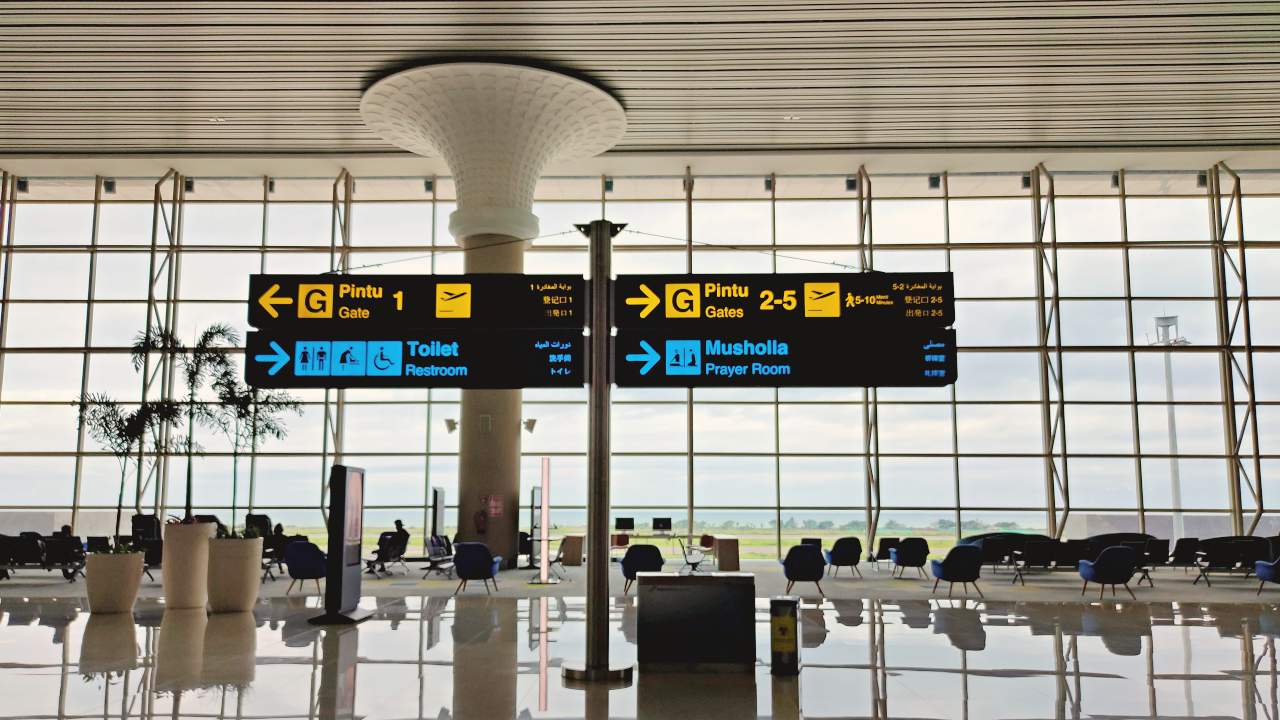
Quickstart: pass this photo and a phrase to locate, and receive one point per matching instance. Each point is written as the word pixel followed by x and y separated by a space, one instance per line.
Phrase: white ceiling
pixel 813 80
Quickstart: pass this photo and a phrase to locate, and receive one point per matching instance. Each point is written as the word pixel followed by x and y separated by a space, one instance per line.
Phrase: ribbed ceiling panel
pixel 286 77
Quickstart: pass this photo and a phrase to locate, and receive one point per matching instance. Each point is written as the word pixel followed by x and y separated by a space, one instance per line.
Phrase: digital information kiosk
pixel 346 535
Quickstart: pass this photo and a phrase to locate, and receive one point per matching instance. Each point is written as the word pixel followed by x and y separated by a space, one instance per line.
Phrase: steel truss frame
pixel 1053 420
pixel 1235 338
pixel 160 368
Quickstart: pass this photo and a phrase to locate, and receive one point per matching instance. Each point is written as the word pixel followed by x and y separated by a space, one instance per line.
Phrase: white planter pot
pixel 230 650
pixel 235 574
pixel 180 650
pixel 112 581
pixel 185 568
pixel 109 644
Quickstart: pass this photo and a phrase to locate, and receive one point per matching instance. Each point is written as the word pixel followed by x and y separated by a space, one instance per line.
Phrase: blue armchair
pixel 1115 565
pixel 640 558
pixel 804 563
pixel 1266 572
pixel 962 565
pixel 305 562
pixel 912 552
pixel 845 553
pixel 474 561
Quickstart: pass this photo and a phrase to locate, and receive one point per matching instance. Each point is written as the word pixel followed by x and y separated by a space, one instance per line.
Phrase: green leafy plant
pixel 122 431
pixel 207 358
pixel 249 417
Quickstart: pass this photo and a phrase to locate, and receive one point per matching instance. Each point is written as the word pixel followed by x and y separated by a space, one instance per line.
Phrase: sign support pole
pixel 596 669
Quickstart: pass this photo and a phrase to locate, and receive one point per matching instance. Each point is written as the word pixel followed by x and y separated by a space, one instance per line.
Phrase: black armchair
pixel 883 550
pixel 804 563
pixel 963 564
pixel 846 552
pixel 1185 553
pixel 912 552
pixel 640 558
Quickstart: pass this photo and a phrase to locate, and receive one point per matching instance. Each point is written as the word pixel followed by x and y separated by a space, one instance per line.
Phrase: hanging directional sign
pixel 797 357
pixel 715 302
pixel 417 358
pixel 360 302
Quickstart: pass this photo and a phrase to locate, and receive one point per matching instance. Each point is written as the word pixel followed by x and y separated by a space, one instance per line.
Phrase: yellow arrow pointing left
pixel 268 301
pixel 649 300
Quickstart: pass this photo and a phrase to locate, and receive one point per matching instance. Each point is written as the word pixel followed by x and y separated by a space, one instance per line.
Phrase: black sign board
pixel 829 301
pixel 797 357
pixel 412 358
pixel 306 303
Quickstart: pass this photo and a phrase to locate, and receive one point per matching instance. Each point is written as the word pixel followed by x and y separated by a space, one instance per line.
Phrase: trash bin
pixel 784 631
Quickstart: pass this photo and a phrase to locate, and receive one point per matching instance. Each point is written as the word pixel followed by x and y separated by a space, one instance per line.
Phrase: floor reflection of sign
pixel 684 357
pixel 385 358
pixel 348 357
pixel 494 503
pixel 311 358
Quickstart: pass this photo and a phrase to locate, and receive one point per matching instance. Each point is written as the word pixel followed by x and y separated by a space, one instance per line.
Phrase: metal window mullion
pixel 90 294
pixel 8 216
pixel 1134 415
pixel 777 430
pixel 262 268
pixel 955 421
pixel 426 450
pixel 689 392
pixel 870 406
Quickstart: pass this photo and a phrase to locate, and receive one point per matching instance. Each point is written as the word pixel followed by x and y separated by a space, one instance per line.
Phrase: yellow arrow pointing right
pixel 649 300
pixel 268 301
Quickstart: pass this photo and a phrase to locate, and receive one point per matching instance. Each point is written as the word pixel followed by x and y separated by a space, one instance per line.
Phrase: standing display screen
pixel 353 533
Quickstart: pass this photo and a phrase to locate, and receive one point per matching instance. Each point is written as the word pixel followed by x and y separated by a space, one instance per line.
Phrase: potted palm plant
pixel 248 417
pixel 112 578
pixel 186 542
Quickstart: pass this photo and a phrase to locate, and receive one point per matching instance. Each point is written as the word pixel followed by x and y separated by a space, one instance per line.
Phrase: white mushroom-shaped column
pixel 496 126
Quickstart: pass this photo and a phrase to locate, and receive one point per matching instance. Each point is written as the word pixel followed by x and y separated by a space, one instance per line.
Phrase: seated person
pixel 391 546
pixel 64 532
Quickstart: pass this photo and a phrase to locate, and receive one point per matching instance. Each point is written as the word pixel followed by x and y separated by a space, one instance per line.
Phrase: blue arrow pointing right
pixel 649 357
pixel 279 358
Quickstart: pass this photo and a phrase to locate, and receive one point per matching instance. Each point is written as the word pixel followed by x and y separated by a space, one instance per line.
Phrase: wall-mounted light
pixel 530 424
pixel 1202 179
pixel 608 184
pixel 1026 180
pixel 109 186
pixel 768 184
pixel 1115 180
pixel 429 185
pixel 935 182
pixel 24 185
pixel 851 184
pixel 271 185
pixel 189 184
pixel 450 425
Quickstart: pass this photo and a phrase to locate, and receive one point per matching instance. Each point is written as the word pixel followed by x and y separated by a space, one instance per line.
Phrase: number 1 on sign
pixel 399 296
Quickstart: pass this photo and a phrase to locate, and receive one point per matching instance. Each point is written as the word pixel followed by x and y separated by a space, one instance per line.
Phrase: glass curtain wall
pixel 1060 281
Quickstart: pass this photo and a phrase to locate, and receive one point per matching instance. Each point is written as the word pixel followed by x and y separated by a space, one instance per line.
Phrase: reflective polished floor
pixel 479 658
